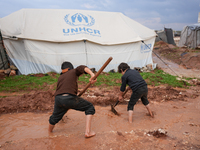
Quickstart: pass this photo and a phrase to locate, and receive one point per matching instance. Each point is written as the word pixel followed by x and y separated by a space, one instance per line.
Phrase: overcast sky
pixel 154 14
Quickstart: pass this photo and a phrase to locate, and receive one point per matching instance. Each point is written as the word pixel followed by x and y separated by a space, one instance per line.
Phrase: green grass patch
pixel 25 82
pixel 160 77
pixel 3 96
pixel 110 79
pixel 31 82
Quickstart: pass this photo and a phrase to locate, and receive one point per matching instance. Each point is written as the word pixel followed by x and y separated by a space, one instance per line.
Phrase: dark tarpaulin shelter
pixel 3 56
pixel 166 36
pixel 161 36
pixel 170 37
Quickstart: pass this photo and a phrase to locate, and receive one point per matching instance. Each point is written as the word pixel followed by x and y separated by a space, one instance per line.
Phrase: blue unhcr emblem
pixel 145 48
pixel 79 19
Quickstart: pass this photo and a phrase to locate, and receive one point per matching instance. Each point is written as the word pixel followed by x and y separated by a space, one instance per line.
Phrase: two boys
pixel 67 87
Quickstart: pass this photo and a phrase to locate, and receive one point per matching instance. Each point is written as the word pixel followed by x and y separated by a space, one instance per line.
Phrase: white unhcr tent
pixel 190 36
pixel 39 40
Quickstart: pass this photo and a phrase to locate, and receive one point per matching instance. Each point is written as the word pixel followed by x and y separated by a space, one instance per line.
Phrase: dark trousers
pixel 142 93
pixel 64 103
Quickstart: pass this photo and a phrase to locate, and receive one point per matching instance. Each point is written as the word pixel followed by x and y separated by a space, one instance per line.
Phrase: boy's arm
pixel 122 89
pixel 87 70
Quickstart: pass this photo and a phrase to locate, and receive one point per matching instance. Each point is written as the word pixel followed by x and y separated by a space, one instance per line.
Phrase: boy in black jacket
pixel 138 86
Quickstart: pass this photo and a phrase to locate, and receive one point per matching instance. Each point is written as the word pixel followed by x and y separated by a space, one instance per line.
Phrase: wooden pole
pixel 96 75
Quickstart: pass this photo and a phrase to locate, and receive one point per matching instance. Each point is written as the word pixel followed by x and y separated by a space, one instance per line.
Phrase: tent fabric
pixel 3 56
pixel 170 37
pixel 194 27
pixel 59 26
pixel 190 36
pixel 39 40
pixel 161 36
pixel 30 58
pixel 166 36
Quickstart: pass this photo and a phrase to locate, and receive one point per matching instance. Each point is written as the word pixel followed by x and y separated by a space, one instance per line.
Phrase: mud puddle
pixel 179 119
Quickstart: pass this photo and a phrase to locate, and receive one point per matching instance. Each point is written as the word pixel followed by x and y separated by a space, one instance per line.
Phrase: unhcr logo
pixel 145 48
pixel 79 19
pixel 81 25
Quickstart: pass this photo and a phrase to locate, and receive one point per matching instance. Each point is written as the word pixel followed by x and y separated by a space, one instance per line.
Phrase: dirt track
pixel 24 120
pixel 181 62
pixel 180 119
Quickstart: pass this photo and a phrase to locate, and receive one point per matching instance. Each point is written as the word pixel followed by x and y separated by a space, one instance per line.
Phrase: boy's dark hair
pixel 67 64
pixel 123 67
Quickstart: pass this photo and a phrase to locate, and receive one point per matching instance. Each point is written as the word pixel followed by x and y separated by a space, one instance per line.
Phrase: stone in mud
pixel 158 133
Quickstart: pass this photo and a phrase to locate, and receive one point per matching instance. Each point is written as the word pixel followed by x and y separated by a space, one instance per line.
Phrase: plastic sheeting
pixel 161 36
pixel 3 56
pixel 170 37
pixel 190 36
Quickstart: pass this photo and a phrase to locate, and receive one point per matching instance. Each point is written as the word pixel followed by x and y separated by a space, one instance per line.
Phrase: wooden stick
pixel 96 75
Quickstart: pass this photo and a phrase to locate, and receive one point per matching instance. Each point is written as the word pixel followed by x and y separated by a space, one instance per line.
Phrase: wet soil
pixel 177 61
pixel 179 119
pixel 43 101
pixel 24 118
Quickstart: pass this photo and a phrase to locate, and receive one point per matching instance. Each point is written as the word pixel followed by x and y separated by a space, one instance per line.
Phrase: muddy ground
pixel 182 62
pixel 176 125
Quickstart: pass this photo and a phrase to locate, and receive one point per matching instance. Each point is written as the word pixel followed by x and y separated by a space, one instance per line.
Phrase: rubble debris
pixel 12 67
pixel 150 67
pixel 195 81
pixel 158 133
pixel 112 71
pixel 193 124
pixel 147 68
pixel 119 133
pixel 186 133
pixel 12 73
pixel 138 69
pixel 7 71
